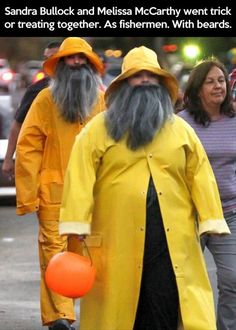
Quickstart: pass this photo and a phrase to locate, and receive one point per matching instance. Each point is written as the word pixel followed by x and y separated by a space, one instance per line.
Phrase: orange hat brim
pixel 50 64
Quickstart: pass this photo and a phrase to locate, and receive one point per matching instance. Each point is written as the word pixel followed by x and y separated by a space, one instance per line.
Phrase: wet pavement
pixel 19 272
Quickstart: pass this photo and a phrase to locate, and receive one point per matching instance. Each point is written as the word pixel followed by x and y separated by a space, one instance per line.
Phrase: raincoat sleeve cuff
pixel 72 227
pixel 27 208
pixel 216 226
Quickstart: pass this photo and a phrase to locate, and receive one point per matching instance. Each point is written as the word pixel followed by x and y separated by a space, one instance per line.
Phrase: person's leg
pixel 142 315
pixel 223 249
pixel 159 302
pixel 203 242
pixel 53 306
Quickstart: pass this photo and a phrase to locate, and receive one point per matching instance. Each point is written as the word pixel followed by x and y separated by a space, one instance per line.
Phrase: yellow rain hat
pixel 143 58
pixel 70 46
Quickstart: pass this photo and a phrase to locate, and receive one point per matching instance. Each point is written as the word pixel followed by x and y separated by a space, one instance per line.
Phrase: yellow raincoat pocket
pixel 94 240
pixel 55 190
pixel 51 187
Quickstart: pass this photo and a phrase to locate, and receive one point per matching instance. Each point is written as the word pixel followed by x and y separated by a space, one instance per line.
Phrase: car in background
pixel 7 184
pixel 29 70
pixel 6 75
pixel 28 73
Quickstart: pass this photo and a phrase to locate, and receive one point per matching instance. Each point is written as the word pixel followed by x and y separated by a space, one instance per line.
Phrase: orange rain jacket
pixel 42 154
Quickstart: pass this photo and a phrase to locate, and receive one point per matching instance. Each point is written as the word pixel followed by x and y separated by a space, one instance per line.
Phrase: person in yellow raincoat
pixel 140 188
pixel 56 116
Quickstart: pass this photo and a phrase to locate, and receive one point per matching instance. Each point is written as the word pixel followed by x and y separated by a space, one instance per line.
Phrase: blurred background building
pixel 178 54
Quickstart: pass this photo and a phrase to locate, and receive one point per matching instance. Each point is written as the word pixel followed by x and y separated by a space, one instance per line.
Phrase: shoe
pixel 61 324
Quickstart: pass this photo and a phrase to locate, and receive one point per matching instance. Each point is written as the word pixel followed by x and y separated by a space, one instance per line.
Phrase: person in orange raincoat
pixel 56 116
pixel 140 187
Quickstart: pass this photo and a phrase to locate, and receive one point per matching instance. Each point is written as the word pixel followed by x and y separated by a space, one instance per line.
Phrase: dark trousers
pixel 158 302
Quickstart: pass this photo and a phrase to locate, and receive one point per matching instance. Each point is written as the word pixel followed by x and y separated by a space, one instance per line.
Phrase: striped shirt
pixel 219 141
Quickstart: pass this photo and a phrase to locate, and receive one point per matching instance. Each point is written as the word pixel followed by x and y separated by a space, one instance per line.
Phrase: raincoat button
pixel 160 193
pixel 150 155
pixel 142 228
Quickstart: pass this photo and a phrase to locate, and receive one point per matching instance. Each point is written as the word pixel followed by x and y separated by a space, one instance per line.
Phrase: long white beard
pixel 139 111
pixel 74 90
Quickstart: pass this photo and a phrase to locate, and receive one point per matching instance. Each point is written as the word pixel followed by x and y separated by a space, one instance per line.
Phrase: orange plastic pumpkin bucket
pixel 70 275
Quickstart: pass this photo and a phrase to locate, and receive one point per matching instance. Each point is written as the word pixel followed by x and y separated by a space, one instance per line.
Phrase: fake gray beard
pixel 138 111
pixel 74 90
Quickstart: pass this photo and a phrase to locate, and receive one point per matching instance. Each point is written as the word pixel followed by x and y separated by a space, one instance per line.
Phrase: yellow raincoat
pixel 105 196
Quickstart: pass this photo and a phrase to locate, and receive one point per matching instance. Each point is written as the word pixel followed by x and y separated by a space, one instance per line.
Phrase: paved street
pixel 19 272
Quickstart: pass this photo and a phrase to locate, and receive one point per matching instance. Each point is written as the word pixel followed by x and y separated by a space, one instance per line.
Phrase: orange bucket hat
pixel 143 58
pixel 70 274
pixel 70 46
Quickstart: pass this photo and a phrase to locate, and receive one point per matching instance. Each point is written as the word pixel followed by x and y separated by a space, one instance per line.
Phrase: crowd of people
pixel 145 183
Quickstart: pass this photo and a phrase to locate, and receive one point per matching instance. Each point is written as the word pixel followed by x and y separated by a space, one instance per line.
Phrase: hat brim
pixel 49 65
pixel 168 80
